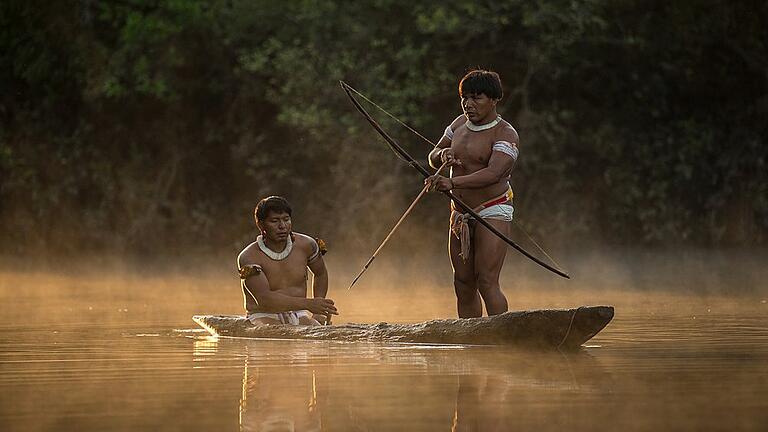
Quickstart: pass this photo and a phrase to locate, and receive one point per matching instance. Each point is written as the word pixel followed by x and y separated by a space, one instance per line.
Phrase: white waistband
pixel 289 317
pixel 503 212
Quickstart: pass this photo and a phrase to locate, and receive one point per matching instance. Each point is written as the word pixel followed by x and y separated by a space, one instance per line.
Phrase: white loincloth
pixel 502 212
pixel 289 317
pixel 460 222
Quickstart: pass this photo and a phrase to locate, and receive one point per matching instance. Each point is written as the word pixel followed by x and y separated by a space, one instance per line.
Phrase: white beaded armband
pixel 506 148
pixel 448 133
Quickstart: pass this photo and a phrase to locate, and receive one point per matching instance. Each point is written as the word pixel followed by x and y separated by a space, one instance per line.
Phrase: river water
pixel 85 353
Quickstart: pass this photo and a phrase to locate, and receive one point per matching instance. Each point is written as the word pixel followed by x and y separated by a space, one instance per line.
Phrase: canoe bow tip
pixel 606 312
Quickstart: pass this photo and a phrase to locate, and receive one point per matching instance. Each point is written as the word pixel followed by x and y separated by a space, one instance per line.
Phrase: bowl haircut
pixel 271 204
pixel 481 81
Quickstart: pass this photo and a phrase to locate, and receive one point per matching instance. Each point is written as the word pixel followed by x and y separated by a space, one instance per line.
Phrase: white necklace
pixel 475 128
pixel 277 256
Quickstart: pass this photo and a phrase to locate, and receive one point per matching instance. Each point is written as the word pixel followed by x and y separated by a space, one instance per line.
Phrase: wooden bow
pixel 418 167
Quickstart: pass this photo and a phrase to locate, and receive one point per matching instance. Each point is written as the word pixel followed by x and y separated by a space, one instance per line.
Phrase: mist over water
pixel 106 346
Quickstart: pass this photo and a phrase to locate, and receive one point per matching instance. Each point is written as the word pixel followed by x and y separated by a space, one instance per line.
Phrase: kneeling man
pixel 273 271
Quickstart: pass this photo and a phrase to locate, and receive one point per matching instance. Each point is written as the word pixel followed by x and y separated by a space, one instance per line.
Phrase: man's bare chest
pixel 288 272
pixel 472 147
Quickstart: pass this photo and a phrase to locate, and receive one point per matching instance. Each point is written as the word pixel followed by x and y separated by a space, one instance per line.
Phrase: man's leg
pixel 490 251
pixel 468 301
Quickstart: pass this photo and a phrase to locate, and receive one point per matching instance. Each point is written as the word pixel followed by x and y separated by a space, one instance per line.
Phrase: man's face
pixel 478 107
pixel 276 226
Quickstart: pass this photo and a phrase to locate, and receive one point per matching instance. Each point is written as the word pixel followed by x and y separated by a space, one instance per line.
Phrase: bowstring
pixel 537 245
pixel 402 123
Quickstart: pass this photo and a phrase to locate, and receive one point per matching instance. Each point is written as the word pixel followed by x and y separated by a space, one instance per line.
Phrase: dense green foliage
pixel 140 125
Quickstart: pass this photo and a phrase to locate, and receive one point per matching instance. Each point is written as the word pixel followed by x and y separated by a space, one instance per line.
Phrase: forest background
pixel 149 128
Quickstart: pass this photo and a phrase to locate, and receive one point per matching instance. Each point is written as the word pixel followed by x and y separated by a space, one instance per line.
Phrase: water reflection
pixel 279 400
pixel 310 386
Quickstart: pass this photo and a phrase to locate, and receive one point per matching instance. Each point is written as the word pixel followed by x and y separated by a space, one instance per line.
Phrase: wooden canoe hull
pixel 550 328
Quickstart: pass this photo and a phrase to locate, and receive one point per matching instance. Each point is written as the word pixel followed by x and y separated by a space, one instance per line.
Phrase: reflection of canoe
pixel 567 328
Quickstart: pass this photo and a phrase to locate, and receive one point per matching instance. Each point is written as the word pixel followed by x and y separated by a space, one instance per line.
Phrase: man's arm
pixel 436 156
pixel 257 286
pixel 320 279
pixel 273 301
pixel 320 286
pixel 498 167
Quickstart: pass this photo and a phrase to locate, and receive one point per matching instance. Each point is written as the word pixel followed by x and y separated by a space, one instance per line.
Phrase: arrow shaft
pixel 392 231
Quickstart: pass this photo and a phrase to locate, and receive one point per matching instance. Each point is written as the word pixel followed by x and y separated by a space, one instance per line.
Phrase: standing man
pixel 273 271
pixel 481 148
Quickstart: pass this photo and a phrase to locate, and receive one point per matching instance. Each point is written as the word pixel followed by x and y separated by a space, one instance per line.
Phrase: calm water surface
pixel 92 355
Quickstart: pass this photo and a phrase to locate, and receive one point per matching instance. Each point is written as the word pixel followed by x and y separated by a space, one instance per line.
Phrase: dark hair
pixel 480 81
pixel 272 204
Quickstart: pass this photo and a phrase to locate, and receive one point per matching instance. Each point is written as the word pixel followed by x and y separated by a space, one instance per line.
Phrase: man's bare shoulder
pixel 305 243
pixel 458 121
pixel 249 255
pixel 507 132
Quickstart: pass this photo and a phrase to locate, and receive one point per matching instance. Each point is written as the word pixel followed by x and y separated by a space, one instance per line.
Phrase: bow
pixel 417 166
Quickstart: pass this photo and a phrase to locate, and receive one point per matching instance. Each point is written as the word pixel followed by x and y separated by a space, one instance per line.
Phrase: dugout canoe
pixel 550 328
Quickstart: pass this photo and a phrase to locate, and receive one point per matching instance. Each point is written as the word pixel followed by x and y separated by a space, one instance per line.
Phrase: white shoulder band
pixel 448 133
pixel 507 148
